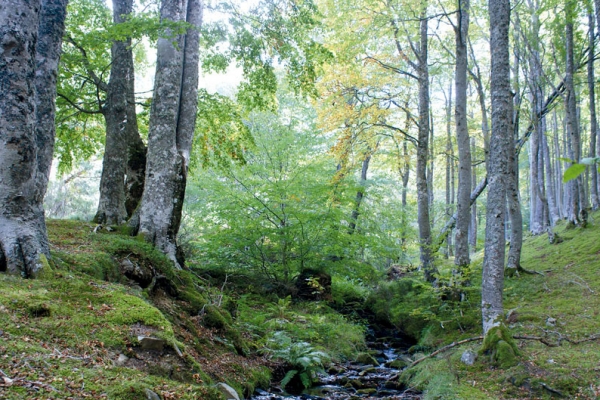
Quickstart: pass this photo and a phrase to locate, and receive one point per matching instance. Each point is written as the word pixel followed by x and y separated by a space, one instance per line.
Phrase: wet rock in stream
pixel 354 381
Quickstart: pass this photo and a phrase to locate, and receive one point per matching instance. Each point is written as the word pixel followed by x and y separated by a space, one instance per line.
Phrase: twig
pixel 538 338
pixel 551 390
pixel 447 347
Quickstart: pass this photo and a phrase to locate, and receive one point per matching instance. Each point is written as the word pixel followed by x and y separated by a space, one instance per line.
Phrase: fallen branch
pixel 537 338
pixel 447 347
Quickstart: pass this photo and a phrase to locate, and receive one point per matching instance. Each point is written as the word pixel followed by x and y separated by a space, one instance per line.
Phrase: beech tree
pixel 30 39
pixel 462 137
pixel 172 124
pixel 492 284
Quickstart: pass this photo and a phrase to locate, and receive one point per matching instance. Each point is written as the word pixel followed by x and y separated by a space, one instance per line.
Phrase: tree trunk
pixel 449 167
pixel 572 121
pixel 121 125
pixel 473 225
pixel 463 209
pixel 30 40
pixel 427 265
pixel 360 193
pixel 502 113
pixel 172 122
pixel 593 119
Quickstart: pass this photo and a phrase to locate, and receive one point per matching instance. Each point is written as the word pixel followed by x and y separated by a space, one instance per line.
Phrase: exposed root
pixel 447 347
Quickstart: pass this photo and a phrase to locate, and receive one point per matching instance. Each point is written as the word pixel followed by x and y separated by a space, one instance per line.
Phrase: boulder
pixel 228 391
pixel 150 395
pixel 468 357
pixel 151 343
pixel 313 285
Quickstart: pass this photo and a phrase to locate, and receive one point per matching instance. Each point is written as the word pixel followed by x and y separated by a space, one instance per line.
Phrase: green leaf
pixel 573 172
pixel 288 377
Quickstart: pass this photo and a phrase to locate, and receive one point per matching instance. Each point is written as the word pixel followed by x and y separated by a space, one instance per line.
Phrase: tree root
pixel 447 347
pixel 519 337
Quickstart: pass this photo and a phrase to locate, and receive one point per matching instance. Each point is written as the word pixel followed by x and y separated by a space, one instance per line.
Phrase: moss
pixel 366 358
pixel 215 317
pixel 505 355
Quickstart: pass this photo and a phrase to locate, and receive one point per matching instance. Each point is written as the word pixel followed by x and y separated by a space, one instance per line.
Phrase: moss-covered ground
pixel 74 332
pixel 553 314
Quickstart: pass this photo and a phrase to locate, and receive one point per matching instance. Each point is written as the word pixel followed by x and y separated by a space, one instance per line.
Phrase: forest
pixel 304 188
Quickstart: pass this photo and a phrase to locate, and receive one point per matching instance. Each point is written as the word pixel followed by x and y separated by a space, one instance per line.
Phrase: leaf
pixel 590 160
pixel 573 172
pixel 288 377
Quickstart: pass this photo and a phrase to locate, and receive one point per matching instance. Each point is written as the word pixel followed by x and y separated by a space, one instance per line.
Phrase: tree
pixel 123 144
pixel 172 124
pixel 30 39
pixel 493 263
pixel 461 259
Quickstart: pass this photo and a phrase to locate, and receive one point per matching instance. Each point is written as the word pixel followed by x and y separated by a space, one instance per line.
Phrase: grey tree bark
pixel 473 223
pixel 575 185
pixel 493 263
pixel 172 123
pixel 427 265
pixel 463 209
pixel 122 138
pixel 30 40
pixel 449 169
pixel 593 119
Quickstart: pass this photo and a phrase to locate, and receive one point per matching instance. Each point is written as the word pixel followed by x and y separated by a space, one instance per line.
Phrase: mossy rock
pixel 366 358
pixel 216 318
pixel 397 364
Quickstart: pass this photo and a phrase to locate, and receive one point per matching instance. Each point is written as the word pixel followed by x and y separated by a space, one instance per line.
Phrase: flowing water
pixel 354 381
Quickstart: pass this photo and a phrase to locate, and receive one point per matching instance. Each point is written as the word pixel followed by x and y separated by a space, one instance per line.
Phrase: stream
pixel 353 380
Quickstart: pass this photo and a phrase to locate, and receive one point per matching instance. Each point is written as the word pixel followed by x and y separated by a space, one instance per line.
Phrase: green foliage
pixel 303 359
pixel 577 169
pixel 304 322
pixel 222 136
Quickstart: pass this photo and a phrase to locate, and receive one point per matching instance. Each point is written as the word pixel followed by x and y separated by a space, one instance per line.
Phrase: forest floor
pixel 85 330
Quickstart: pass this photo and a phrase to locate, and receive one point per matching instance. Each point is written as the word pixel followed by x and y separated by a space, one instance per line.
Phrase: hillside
pixel 84 330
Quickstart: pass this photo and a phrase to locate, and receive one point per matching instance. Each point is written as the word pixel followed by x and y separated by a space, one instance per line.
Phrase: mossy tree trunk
pixel 30 40
pixel 172 122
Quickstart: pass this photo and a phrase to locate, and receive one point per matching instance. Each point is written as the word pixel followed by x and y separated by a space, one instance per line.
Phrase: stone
pixel 150 343
pixel 468 357
pixel 396 364
pixel 551 321
pixel 366 358
pixel 139 274
pixel 228 391
pixel 121 360
pixel 150 395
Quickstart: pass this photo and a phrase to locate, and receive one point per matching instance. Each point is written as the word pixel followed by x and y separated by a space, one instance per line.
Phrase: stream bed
pixel 353 380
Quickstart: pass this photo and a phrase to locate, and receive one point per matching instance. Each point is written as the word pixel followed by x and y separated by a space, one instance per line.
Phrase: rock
pixel 367 371
pixel 313 285
pixel 551 321
pixel 366 358
pixel 468 357
pixel 137 273
pixel 367 391
pixel 228 391
pixel 121 360
pixel 396 364
pixel 150 395
pixel 150 343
